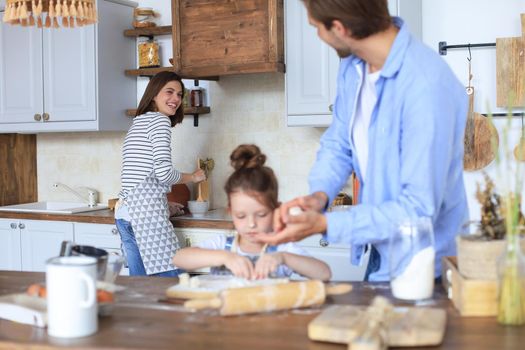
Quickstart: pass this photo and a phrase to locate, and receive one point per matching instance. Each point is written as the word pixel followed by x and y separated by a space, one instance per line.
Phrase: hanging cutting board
pixel 481 138
pixel 407 326
pixel 510 69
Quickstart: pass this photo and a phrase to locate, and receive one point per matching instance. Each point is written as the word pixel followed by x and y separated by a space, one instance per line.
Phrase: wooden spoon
pixel 199 188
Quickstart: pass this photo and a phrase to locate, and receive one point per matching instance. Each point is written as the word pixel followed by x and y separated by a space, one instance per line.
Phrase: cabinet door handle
pixel 45 116
pixel 323 242
pixel 37 117
pixel 114 231
pixel 331 107
pixel 188 242
pixel 21 225
pixel 14 225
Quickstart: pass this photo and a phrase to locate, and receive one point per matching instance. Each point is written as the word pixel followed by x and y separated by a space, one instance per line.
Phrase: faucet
pixel 91 199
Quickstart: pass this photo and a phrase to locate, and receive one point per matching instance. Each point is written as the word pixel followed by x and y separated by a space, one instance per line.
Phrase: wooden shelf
pixel 149 72
pixel 187 110
pixel 163 30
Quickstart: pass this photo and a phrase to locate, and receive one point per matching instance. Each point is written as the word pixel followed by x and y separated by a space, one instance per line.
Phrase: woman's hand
pixel 198 176
pixel 175 208
pixel 267 264
pixel 240 266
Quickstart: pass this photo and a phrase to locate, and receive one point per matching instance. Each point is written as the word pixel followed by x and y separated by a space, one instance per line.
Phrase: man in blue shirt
pixel 398 123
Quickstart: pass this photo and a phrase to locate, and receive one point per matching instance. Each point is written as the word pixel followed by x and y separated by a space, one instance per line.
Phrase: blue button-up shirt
pixel 415 152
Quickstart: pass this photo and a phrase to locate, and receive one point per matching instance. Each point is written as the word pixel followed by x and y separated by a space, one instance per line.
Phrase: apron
pixel 156 238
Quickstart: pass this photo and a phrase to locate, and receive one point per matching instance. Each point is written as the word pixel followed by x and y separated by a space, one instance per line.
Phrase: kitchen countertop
pixel 214 219
pixel 139 321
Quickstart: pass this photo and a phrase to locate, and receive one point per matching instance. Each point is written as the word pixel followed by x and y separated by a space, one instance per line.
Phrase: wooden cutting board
pixel 510 69
pixel 408 326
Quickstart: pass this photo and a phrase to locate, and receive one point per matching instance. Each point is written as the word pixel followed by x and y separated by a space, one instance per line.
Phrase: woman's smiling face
pixel 169 98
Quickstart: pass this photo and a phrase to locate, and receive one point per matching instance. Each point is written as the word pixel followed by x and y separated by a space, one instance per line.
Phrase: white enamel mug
pixel 71 296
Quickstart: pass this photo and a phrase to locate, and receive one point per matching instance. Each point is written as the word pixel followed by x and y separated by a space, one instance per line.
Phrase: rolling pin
pixel 238 301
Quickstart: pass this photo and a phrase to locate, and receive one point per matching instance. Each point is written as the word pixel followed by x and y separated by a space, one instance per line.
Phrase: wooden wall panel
pixel 18 173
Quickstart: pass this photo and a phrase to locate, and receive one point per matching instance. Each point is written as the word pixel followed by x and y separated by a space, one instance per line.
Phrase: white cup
pixel 71 296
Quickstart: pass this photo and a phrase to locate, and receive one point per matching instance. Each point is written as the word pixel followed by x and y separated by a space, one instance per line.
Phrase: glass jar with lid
pixel 148 52
pixel 196 96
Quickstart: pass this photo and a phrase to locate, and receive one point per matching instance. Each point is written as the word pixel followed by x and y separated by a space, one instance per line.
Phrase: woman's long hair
pixel 157 82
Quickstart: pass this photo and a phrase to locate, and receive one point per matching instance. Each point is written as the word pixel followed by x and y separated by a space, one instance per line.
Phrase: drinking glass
pixel 412 255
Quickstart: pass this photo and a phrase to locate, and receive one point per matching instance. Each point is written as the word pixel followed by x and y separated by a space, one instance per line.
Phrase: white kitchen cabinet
pixel 312 65
pixel 102 236
pixel 41 240
pixel 27 244
pixel 68 79
pixel 337 256
pixel 10 253
pixel 196 235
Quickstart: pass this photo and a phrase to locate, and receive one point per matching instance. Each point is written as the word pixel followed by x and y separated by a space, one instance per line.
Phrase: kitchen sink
pixel 48 207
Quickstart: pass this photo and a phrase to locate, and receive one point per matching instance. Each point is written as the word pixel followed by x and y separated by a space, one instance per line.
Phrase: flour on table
pixel 220 282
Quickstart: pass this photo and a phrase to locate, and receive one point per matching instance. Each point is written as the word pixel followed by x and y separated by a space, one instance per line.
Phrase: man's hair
pixel 362 17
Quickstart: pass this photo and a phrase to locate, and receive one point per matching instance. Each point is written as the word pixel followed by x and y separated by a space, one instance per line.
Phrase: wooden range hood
pixel 223 37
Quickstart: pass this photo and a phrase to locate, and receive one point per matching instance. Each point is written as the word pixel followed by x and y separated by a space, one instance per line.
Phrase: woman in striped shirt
pixel 142 217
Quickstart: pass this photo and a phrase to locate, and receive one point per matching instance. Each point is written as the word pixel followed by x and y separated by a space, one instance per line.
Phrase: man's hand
pixel 267 264
pixel 297 227
pixel 240 266
pixel 316 202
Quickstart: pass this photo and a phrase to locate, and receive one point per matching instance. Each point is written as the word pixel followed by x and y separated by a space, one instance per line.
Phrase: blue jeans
pixel 132 253
pixel 374 262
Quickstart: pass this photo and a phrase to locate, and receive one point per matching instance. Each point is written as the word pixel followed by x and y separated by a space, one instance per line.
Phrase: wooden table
pixel 139 321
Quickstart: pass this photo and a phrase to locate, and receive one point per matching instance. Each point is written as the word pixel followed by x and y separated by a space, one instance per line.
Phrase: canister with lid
pixel 148 50
pixel 196 95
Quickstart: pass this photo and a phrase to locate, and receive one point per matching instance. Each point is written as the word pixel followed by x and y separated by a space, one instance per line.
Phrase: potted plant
pixel 478 252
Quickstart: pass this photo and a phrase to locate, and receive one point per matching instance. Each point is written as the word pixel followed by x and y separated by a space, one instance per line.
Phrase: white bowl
pixel 198 208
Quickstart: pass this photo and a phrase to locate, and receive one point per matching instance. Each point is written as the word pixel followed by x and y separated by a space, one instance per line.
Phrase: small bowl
pixel 198 208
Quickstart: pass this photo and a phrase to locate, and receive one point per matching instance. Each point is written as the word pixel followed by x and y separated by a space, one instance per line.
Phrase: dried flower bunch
pixel 29 12
pixel 492 225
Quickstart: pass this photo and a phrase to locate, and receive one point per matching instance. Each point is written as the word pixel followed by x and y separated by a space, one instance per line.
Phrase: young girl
pixel 252 197
pixel 142 217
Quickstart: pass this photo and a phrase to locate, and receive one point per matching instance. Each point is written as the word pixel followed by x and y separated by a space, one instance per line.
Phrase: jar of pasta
pixel 148 50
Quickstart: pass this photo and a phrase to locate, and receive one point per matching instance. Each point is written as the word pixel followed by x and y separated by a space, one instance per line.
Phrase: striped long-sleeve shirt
pixel 147 147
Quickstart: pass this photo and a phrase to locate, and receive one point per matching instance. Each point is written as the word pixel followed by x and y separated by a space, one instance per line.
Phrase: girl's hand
pixel 240 266
pixel 267 264
pixel 198 176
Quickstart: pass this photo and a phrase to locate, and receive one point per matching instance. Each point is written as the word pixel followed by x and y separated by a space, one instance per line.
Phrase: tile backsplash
pixel 244 109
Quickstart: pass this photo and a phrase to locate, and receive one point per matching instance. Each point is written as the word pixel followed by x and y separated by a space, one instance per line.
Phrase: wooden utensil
pixel 199 185
pixel 510 69
pixel 481 137
pixel 405 326
pixel 239 301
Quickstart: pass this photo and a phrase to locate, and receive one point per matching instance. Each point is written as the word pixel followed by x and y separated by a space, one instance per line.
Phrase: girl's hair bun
pixel 247 156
